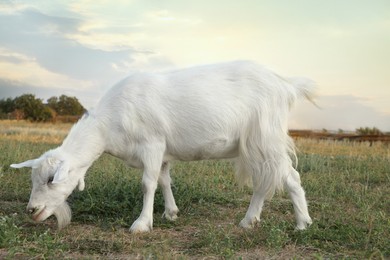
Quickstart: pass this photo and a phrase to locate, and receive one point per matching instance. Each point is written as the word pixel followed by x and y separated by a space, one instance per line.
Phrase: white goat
pixel 232 110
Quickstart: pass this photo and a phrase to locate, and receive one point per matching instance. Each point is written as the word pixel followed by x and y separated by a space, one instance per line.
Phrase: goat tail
pixel 304 87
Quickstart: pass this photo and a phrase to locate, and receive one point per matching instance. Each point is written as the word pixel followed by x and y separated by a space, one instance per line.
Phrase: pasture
pixel 347 187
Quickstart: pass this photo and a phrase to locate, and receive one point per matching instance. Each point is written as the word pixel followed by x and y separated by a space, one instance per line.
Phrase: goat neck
pixel 84 144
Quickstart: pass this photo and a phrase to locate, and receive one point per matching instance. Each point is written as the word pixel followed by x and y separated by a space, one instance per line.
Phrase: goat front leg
pixel 151 155
pixel 164 180
pixel 144 223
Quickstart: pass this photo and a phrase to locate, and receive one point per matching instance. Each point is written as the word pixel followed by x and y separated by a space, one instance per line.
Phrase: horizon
pixel 81 49
pixel 314 130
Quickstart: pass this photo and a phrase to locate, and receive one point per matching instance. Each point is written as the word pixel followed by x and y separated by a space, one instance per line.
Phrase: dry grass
pixel 24 131
pixel 345 148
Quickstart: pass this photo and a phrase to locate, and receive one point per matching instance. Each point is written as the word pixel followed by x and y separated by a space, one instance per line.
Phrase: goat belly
pixel 220 148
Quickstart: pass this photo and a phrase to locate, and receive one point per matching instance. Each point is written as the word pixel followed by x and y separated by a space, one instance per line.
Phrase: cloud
pixel 39 51
pixel 338 112
pixel 17 67
pixel 42 54
pixel 7 56
pixel 43 37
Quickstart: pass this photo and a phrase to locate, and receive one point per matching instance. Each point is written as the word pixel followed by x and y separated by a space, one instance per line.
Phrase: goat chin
pixel 63 214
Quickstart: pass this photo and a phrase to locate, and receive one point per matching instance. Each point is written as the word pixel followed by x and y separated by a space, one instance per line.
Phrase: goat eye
pixel 50 180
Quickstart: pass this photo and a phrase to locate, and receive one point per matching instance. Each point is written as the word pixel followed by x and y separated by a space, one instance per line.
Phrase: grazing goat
pixel 232 110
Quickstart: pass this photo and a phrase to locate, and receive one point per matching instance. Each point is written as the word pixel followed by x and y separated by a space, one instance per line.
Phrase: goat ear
pixel 62 172
pixel 29 163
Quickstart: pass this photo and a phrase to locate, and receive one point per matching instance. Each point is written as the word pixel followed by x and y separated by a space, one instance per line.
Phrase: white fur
pixel 232 110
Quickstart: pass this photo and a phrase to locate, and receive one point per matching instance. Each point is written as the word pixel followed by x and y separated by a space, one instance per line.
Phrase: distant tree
pixel 32 107
pixel 52 103
pixel 7 105
pixel 65 105
pixel 17 114
pixel 368 131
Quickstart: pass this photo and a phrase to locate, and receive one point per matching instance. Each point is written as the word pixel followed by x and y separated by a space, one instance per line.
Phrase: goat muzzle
pixel 31 210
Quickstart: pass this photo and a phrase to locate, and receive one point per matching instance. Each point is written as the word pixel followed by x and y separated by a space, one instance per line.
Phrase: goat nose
pixel 30 210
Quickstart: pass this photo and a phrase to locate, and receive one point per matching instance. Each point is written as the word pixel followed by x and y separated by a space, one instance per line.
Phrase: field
pixel 347 186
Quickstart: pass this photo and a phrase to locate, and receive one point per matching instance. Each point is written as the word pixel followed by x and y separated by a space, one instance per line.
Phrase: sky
pixel 81 48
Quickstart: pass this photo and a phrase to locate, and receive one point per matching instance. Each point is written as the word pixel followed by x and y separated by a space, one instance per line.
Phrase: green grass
pixel 348 194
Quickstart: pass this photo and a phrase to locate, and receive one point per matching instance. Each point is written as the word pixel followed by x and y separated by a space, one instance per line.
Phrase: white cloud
pixel 10 7
pixel 18 67
pixel 157 16
pixel 44 37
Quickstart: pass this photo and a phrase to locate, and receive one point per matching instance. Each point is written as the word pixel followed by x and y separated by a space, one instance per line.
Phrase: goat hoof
pixel 171 215
pixel 302 225
pixel 249 223
pixel 140 226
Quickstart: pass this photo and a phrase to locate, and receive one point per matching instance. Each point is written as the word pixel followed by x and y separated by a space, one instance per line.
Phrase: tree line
pixel 369 131
pixel 31 108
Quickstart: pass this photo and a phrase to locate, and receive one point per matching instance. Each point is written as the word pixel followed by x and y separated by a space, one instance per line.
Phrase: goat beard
pixel 63 214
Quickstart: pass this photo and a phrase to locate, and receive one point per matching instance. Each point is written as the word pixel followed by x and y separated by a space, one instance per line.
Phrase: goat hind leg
pixel 252 215
pixel 297 195
pixel 244 174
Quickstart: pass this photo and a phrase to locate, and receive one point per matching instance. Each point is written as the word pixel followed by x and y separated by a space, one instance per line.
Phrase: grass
pixel 347 186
